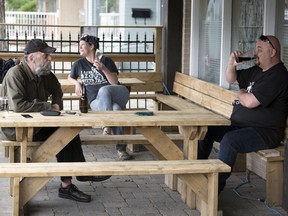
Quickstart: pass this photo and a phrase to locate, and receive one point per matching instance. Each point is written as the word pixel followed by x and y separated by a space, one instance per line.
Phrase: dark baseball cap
pixel 38 45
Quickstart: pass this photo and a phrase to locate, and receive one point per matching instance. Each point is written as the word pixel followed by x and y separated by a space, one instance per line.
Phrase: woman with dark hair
pixel 99 76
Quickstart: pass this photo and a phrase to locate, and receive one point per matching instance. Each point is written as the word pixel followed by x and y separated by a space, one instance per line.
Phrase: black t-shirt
pixel 271 90
pixel 92 78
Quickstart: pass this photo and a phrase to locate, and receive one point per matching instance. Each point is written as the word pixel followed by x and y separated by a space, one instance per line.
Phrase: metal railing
pixel 134 49
pixel 124 42
pixel 32 23
pixel 130 41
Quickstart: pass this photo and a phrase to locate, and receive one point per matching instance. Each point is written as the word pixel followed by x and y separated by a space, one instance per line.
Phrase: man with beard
pixel 28 87
pixel 260 110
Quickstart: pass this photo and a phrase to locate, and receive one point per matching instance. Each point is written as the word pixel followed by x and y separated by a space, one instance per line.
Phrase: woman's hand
pixel 78 85
pixel 78 88
pixel 99 65
pixel 111 77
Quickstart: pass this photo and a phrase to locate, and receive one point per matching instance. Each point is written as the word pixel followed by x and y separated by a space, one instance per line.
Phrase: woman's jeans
pixel 232 140
pixel 112 97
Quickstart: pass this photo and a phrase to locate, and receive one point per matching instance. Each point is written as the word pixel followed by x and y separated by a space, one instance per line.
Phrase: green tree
pixel 21 5
pixel 2 11
pixel 3 45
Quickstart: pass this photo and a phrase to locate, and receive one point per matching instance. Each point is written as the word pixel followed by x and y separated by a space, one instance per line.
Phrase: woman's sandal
pixel 107 131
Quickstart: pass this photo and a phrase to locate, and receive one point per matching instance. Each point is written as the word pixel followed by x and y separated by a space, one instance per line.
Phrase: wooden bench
pixel 152 83
pixel 213 97
pixel 201 176
pixel 90 139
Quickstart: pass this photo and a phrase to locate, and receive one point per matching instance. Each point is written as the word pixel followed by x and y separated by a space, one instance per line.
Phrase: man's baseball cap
pixel 38 45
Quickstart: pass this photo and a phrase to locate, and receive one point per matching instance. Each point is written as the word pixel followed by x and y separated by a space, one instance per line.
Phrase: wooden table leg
pixel 23 147
pixel 45 152
pixel 190 149
pixel 131 147
pixel 190 137
pixel 206 187
pixel 18 156
pixel 212 202
pixel 16 197
pixel 162 143
pixel 165 147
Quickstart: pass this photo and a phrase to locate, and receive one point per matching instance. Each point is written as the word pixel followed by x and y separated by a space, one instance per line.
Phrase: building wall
pixel 69 14
pixel 186 36
pixel 126 12
pixel 172 40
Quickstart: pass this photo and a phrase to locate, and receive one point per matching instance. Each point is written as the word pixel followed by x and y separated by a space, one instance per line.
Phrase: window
pixel 210 40
pixel 109 6
pixel 247 25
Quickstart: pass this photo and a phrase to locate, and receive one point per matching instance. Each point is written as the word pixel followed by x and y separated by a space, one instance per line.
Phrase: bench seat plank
pixel 123 139
pixel 88 139
pixel 51 169
pixel 190 171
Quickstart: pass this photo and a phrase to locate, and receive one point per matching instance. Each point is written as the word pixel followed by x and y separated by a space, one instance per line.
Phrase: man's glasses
pixel 266 40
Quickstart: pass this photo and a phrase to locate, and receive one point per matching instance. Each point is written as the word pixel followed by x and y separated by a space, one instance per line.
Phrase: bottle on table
pixel 83 103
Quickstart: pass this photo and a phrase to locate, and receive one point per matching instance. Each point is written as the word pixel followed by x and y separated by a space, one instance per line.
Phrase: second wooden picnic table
pixel 68 87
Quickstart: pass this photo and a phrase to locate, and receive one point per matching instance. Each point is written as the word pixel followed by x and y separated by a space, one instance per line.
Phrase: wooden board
pixel 193 117
pixel 112 168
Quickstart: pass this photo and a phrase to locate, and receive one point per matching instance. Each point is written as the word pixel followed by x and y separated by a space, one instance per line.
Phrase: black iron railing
pixel 111 45
pixel 136 43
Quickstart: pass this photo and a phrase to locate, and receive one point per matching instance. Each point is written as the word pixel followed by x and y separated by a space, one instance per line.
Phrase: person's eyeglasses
pixel 266 40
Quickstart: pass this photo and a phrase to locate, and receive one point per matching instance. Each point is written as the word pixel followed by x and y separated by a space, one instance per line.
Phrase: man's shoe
pixel 72 192
pixel 123 155
pixel 92 178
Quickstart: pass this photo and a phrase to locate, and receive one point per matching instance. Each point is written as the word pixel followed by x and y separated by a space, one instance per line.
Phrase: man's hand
pixel 247 99
pixel 55 107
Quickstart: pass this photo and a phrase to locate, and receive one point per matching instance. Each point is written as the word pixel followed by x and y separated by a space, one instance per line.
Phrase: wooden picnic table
pixel 192 124
pixel 68 87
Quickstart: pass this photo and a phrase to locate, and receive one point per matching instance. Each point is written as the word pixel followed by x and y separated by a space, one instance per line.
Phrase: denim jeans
pixel 112 97
pixel 232 140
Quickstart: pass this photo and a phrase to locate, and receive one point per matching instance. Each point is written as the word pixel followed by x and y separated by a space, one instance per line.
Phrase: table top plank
pixel 195 117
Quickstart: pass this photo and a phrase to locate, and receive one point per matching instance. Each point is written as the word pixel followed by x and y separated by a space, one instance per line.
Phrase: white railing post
pixel 30 18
